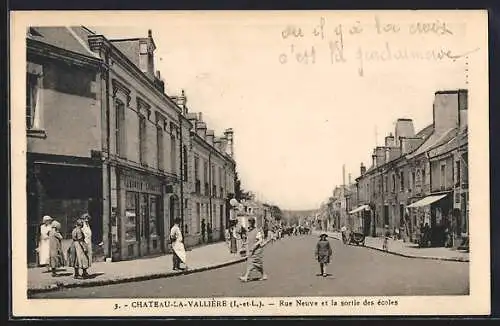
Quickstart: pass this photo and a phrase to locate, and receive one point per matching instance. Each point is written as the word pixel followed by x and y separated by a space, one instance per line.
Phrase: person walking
pixel 255 254
pixel 78 251
pixel 387 235
pixel 44 243
pixel 179 252
pixel 323 253
pixel 56 256
pixel 203 230
pixel 232 240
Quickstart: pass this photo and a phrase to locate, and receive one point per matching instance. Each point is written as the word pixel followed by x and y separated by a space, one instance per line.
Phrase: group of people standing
pixel 50 249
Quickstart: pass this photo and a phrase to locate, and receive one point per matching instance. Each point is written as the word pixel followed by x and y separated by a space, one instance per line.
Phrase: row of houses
pixel 415 178
pixel 103 137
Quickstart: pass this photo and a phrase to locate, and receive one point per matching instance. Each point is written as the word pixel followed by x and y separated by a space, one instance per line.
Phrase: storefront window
pixel 153 216
pixel 131 216
pixel 144 215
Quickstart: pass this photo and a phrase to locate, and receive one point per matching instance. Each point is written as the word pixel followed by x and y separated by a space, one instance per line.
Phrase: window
pixel 413 178
pixel 153 216
pixel 459 174
pixel 185 163
pixel 423 178
pixel 173 154
pixel 131 216
pixel 198 217
pixel 443 177
pixel 393 182
pixel 32 101
pixel 386 180
pixel 402 181
pixel 120 129
pixel 142 139
pixel 197 174
pixel 159 147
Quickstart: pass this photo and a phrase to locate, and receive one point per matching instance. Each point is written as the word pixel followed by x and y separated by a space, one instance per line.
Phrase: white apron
pixel 177 245
pixel 44 245
pixel 88 240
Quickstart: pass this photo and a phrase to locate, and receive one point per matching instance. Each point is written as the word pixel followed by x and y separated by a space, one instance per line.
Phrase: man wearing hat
pixel 323 253
pixel 44 242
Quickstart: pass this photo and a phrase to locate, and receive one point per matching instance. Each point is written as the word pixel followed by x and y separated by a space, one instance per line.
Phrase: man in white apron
pixel 179 253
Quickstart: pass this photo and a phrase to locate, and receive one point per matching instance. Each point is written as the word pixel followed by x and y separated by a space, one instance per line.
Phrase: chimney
pixel 210 137
pixel 446 110
pixel 404 128
pixel 201 129
pixel 362 169
pixel 380 155
pixel 229 134
pixel 374 160
pixel 403 141
pixel 146 55
pixel 387 155
pixel 217 144
pixel 200 116
pixel 389 140
pixel 343 174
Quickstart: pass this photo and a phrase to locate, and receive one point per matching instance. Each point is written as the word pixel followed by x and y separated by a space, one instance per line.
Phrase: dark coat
pixel 323 251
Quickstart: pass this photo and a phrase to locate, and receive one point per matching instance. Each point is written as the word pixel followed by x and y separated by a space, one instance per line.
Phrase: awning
pixel 358 209
pixel 426 201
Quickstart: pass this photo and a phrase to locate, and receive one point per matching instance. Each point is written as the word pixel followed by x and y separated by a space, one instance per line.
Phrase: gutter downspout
pixel 181 155
pixel 108 145
pixel 210 191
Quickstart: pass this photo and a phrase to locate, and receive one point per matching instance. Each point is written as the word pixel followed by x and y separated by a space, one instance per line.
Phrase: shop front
pixel 63 188
pixel 141 209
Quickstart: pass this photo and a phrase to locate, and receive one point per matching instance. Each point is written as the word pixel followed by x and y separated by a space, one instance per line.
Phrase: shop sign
pixel 141 185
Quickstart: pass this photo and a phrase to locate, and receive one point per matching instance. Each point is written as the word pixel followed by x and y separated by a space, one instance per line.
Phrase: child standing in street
pixel 323 253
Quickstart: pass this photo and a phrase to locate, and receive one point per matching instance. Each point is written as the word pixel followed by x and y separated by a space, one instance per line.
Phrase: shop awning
pixel 358 209
pixel 426 201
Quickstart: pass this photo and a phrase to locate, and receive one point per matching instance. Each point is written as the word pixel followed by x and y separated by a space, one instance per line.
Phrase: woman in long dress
pixel 255 254
pixel 232 240
pixel 179 252
pixel 77 252
pixel 44 243
pixel 56 258
pixel 87 232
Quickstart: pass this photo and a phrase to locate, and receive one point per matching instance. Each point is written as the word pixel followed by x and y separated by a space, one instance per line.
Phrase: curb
pixel 459 260
pixel 60 286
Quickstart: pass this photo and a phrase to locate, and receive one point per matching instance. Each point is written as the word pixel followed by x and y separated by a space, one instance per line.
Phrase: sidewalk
pixel 410 250
pixel 199 259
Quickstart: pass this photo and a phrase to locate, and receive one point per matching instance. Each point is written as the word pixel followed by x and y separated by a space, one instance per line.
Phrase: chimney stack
pixel 210 137
pixel 389 140
pixel 362 169
pixel 343 174
pixel 446 110
pixel 229 134
pixel 404 128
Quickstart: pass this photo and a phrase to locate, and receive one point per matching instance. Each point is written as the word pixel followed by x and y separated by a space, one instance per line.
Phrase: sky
pixel 297 123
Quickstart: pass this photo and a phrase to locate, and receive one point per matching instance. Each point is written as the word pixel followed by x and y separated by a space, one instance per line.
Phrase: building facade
pixel 415 179
pixel 104 138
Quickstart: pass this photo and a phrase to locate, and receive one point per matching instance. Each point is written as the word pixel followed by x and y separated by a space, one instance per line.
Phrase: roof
pixel 73 39
pixel 455 142
pixel 130 48
pixel 425 132
pixel 435 139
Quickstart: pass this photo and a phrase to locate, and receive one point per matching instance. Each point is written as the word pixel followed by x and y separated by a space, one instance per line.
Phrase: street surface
pixel 292 271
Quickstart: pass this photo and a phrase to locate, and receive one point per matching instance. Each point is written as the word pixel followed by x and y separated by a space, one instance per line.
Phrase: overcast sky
pixel 296 124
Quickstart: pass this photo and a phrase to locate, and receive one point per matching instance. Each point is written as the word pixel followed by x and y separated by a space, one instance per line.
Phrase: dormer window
pixel 144 48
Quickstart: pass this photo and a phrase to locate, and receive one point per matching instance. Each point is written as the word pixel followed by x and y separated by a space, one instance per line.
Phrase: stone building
pixel 400 189
pixel 104 138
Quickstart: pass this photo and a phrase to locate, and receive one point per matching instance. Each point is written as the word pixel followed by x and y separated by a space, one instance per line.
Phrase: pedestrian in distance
pixel 56 256
pixel 179 252
pixel 203 230
pixel 323 253
pixel 387 235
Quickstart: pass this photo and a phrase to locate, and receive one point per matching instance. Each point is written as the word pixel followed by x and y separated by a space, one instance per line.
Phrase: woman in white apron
pixel 87 232
pixel 44 243
pixel 179 252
